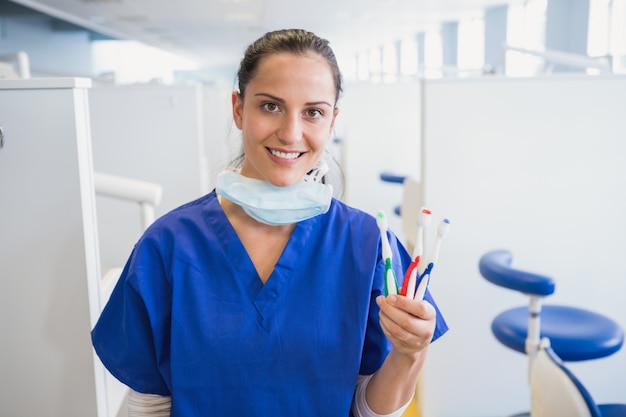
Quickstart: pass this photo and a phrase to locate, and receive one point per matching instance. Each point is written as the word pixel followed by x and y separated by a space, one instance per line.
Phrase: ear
pixel 237 103
pixel 335 113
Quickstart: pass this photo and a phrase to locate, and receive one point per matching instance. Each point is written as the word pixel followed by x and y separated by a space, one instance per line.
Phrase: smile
pixel 285 155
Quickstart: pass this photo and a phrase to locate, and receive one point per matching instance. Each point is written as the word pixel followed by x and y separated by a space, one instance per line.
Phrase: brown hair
pixel 296 41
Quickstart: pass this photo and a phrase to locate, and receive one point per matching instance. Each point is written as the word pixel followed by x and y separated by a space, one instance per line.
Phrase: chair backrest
pixel 412 202
pixel 554 389
pixel 495 266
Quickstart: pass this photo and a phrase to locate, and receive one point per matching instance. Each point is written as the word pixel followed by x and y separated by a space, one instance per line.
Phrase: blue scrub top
pixel 191 318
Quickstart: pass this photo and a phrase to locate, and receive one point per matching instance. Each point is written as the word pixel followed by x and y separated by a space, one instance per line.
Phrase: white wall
pixel 379 125
pixel 51 52
pixel 152 133
pixel 221 137
pixel 535 166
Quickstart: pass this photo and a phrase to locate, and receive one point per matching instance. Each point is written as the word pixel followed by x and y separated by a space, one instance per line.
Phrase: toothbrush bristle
pixel 424 217
pixel 444 226
pixel 381 219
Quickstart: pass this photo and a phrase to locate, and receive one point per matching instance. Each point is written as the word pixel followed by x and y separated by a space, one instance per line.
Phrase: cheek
pixel 253 130
pixel 320 137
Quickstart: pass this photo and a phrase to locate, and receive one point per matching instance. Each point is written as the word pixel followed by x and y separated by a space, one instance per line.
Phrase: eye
pixel 270 107
pixel 314 113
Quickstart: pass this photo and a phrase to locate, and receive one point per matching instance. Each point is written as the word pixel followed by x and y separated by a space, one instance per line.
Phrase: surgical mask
pixel 274 205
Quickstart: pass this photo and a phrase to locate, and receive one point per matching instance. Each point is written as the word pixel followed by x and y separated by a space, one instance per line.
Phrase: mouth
pixel 285 155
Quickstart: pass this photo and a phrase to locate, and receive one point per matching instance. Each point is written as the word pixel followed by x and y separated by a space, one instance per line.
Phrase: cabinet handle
pixel 1 138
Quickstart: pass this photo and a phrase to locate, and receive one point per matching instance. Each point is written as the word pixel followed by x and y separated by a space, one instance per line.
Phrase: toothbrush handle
pixel 425 279
pixel 421 289
pixel 391 285
pixel 412 284
pixel 409 278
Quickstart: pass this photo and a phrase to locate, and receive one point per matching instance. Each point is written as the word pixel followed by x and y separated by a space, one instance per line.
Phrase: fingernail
pixel 392 298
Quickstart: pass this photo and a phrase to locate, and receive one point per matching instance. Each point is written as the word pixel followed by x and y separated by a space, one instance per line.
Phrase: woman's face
pixel 286 117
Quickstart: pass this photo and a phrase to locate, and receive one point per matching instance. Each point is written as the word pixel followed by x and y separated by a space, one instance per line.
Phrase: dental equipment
pixel 391 286
pixel 410 278
pixel 442 231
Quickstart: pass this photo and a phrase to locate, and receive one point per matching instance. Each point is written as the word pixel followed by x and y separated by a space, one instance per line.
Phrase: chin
pixel 282 183
pixel 285 182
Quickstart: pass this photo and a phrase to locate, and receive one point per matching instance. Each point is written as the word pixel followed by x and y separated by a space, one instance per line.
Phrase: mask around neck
pixel 274 205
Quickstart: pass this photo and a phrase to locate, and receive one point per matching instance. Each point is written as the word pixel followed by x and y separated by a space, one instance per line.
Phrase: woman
pixel 264 297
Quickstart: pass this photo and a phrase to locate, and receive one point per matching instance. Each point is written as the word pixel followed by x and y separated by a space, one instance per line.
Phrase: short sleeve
pixel 131 335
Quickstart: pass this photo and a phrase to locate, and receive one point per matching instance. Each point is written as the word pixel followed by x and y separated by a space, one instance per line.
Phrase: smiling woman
pixel 286 117
pixel 236 303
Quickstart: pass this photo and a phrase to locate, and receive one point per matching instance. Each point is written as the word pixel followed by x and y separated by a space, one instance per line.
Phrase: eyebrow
pixel 280 100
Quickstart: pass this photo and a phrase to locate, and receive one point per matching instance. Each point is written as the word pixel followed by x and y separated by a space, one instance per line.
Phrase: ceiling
pixel 215 32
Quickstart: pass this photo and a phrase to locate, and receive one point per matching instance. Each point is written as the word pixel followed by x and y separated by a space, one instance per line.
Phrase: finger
pixel 399 322
pixel 417 308
pixel 405 325
pixel 404 340
pixel 394 332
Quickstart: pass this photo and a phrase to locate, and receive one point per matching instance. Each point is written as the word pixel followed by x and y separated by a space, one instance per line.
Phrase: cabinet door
pixel 47 361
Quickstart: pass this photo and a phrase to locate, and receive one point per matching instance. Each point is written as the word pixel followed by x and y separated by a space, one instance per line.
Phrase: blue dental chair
pixel 574 334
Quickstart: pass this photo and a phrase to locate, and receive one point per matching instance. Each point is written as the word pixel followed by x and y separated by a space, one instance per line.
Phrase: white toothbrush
pixel 442 231
pixel 410 278
pixel 391 286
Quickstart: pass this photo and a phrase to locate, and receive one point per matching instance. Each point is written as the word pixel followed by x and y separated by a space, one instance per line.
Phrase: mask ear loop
pixel 319 170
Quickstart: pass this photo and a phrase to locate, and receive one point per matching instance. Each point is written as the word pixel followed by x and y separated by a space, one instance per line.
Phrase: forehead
pixel 308 73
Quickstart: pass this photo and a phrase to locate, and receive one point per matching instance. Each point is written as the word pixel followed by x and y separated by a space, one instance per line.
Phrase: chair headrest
pixel 495 267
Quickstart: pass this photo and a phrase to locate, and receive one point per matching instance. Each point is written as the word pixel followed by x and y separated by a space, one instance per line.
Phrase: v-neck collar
pixel 263 296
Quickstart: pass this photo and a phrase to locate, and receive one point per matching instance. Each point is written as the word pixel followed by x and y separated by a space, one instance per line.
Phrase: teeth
pixel 285 155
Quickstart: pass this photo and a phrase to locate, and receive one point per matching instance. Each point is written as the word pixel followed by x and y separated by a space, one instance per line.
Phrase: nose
pixel 290 129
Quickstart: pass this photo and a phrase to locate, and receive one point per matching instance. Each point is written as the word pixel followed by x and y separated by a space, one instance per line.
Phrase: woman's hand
pixel 409 324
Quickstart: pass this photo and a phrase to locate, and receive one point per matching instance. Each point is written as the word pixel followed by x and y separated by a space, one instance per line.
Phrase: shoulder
pixel 341 215
pixel 188 221
pixel 345 212
pixel 191 212
pixel 176 237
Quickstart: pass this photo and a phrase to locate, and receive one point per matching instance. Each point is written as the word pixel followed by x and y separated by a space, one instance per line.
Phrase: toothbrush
pixel 442 231
pixel 424 221
pixel 390 276
pixel 410 278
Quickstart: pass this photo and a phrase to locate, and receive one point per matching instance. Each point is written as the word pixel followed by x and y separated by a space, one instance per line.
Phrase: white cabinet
pixel 49 266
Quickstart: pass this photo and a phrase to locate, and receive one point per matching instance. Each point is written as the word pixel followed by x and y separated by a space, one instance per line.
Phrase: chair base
pixel 575 334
